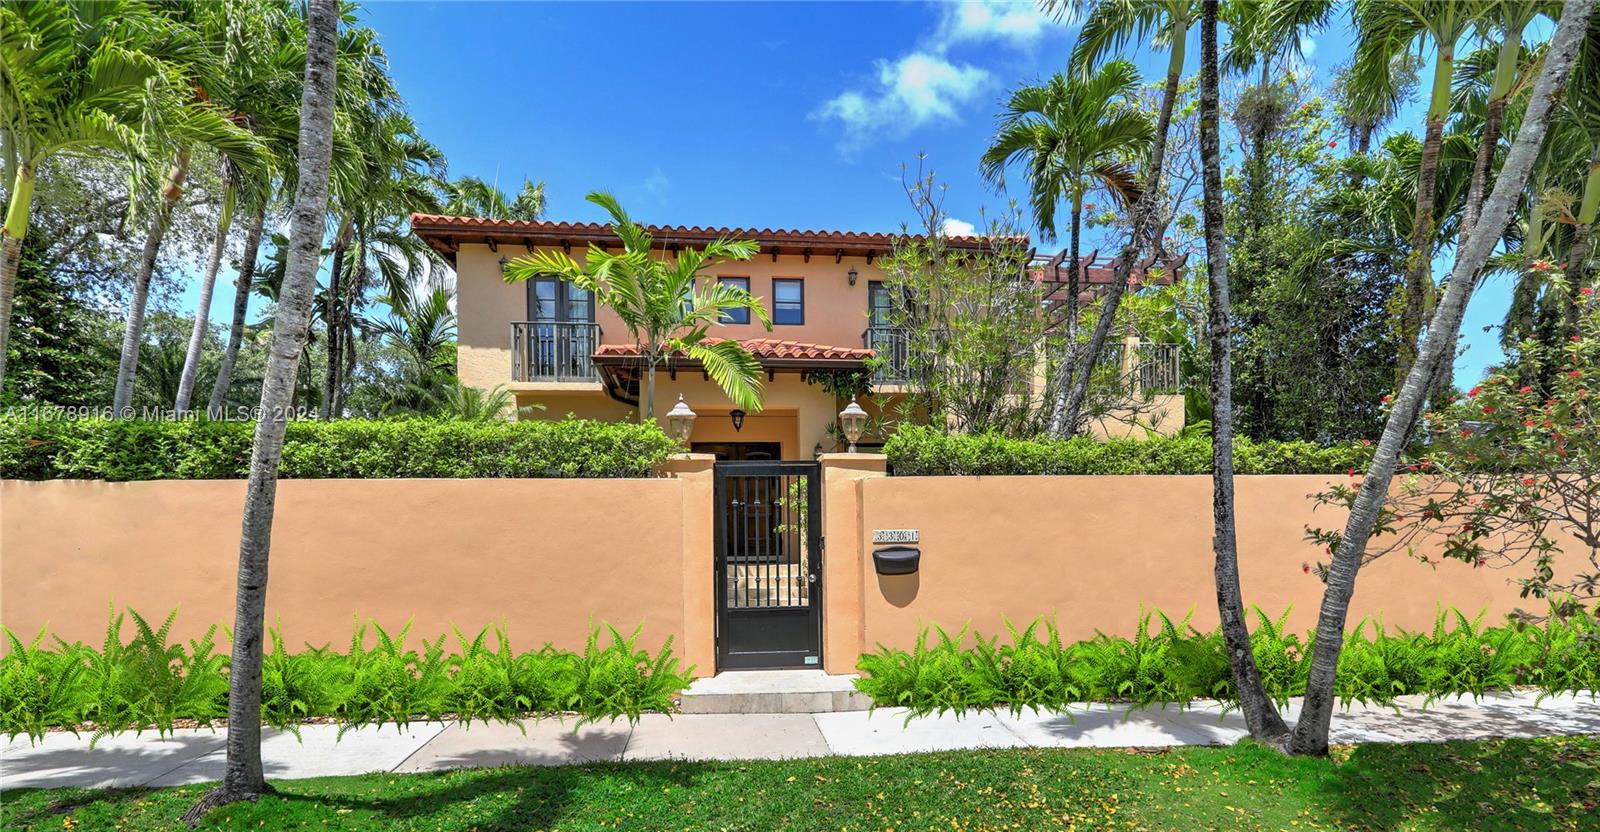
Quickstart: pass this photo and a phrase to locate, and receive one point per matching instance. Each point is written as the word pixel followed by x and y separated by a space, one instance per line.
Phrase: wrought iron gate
pixel 768 564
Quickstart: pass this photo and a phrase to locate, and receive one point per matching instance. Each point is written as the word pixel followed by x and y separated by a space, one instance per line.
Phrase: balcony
pixel 1155 367
pixel 553 351
pixel 891 345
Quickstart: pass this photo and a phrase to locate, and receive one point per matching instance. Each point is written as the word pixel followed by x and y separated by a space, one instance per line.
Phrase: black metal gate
pixel 768 564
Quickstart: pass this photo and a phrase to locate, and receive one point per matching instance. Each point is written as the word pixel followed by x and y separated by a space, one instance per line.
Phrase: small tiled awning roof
pixel 447 233
pixel 771 352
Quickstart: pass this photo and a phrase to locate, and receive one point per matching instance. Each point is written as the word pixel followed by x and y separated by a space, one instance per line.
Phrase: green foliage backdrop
pixel 923 451
pixel 126 449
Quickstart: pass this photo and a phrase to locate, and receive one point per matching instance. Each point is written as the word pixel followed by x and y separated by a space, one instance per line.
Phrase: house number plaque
pixel 895 536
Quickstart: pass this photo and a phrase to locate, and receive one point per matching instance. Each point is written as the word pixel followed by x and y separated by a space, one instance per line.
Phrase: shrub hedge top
pixel 130 449
pixel 925 451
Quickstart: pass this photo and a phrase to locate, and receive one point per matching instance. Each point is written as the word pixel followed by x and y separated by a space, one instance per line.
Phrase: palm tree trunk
pixel 1069 416
pixel 243 778
pixel 1419 266
pixel 1494 111
pixel 650 391
pixel 330 323
pixel 16 228
pixel 1578 253
pixel 133 334
pixel 354 289
pixel 1259 713
pixel 1069 354
pixel 208 284
pixel 1576 274
pixel 1311 732
pixel 241 306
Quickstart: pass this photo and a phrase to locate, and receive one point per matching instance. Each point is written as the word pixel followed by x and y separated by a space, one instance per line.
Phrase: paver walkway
pixel 196 755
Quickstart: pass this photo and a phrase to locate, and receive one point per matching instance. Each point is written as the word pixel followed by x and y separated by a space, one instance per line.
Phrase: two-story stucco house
pixel 548 343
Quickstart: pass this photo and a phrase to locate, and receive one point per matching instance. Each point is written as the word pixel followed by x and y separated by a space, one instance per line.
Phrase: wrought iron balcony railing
pixel 891 345
pixel 1156 367
pixel 553 351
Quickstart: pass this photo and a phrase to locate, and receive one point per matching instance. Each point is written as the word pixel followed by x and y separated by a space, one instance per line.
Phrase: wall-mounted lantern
pixel 852 274
pixel 680 420
pixel 853 419
pixel 738 419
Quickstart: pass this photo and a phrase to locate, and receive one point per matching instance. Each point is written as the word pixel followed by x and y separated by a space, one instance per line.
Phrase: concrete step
pixel 774 692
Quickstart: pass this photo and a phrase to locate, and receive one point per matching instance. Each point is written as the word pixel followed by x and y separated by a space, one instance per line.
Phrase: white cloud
pixel 1308 46
pixel 1017 21
pixel 917 89
pixel 925 85
pixel 953 227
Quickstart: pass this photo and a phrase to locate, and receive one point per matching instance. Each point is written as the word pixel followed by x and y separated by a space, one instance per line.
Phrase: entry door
pixel 768 561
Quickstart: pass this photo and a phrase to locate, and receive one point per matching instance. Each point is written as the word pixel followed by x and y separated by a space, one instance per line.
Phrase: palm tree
pixel 1072 135
pixel 1311 732
pixel 1583 113
pixel 1506 19
pixel 472 197
pixel 243 778
pixel 255 76
pixel 1109 25
pixel 422 326
pixel 1261 33
pixel 1260 714
pixel 664 303
pixel 1363 109
pixel 1385 29
pixel 392 177
pixel 73 79
pixel 184 119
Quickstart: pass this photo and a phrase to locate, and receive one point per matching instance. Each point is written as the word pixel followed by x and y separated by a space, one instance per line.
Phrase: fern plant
pixel 40 688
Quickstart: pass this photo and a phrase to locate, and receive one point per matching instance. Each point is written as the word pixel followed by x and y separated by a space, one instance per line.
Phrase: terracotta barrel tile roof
pixel 444 233
pixel 764 349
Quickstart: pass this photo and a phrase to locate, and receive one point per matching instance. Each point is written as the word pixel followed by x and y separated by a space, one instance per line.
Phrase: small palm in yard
pixel 662 301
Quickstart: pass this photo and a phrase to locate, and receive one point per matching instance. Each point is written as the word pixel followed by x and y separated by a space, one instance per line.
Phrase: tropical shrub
pixel 926 451
pixel 132 449
pixel 149 682
pixel 1173 664
pixel 1509 476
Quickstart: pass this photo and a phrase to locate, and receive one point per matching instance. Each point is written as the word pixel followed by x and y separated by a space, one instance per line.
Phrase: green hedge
pixel 1174 664
pixel 149 681
pixel 923 451
pixel 131 449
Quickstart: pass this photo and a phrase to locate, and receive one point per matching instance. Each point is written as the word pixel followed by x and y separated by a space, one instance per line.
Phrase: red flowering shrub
pixel 1506 477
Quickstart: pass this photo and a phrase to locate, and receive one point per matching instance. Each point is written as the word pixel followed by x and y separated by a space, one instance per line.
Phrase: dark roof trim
pixel 446 234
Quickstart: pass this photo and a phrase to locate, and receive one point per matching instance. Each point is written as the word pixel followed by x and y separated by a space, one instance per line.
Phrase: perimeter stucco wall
pixel 543 556
pixel 1091 550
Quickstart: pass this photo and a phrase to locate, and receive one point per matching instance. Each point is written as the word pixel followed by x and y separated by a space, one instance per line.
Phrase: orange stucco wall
pixel 543 556
pixel 1091 550
pixel 547 556
pixel 835 311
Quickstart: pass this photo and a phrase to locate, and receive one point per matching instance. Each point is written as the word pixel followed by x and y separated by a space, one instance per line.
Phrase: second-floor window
pixel 550 299
pixel 879 309
pixel 736 316
pixel 788 300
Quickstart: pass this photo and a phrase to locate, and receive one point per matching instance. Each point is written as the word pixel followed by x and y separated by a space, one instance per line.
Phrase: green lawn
pixel 1535 785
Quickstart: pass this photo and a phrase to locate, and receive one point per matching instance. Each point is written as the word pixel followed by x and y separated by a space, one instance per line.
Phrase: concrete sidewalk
pixel 196 755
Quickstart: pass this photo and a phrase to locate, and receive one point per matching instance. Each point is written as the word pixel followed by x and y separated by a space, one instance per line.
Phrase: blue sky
pixel 794 115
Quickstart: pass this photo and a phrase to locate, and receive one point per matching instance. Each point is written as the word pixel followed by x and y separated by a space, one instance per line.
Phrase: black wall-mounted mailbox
pixel 896 560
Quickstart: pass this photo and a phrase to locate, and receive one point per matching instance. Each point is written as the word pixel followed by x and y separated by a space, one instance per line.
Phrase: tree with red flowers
pixel 1508 477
